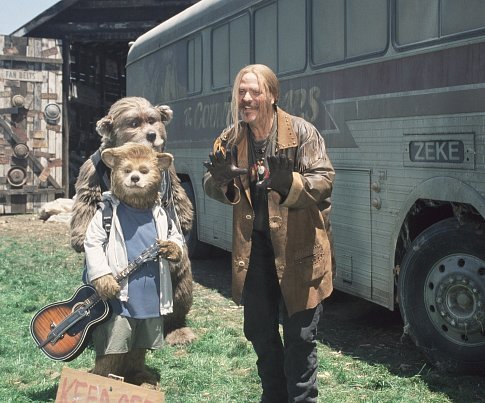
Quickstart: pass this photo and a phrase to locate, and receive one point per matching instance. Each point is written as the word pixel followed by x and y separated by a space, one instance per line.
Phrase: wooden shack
pixel 95 37
pixel 31 135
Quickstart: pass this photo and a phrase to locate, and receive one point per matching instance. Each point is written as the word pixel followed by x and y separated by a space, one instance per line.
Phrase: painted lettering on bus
pixel 451 151
pixel 207 116
pixel 302 102
pixel 216 115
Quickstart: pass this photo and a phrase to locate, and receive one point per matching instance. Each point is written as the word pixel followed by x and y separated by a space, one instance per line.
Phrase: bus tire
pixel 196 248
pixel 442 295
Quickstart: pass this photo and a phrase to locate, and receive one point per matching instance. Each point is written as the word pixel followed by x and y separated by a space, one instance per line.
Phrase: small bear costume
pixel 140 301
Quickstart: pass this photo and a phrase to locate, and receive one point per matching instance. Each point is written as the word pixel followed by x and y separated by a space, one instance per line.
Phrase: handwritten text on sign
pixel 79 386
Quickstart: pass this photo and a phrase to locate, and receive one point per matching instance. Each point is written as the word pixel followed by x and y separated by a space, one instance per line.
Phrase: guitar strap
pixel 107 212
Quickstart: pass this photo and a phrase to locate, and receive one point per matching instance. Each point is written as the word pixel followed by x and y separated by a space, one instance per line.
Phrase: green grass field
pixel 218 367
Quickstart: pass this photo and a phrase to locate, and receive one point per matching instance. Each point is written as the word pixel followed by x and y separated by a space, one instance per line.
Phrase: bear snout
pixel 151 136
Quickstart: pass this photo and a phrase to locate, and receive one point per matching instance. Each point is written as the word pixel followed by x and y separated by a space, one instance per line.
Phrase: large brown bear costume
pixel 134 119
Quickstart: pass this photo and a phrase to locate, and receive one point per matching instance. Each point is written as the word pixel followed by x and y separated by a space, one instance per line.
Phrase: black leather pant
pixel 288 368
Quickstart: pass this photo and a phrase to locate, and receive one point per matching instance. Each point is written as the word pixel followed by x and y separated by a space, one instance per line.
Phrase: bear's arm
pixel 182 203
pixel 88 194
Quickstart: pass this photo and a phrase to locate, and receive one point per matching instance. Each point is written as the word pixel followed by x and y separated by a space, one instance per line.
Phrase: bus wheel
pixel 442 295
pixel 196 248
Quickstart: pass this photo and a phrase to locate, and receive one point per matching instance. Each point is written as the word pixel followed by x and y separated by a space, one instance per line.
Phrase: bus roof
pixel 185 23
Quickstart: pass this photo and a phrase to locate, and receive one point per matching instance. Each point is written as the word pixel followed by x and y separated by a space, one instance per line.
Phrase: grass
pixel 218 367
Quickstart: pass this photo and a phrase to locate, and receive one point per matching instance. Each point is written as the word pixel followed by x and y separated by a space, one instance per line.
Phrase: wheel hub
pixel 455 298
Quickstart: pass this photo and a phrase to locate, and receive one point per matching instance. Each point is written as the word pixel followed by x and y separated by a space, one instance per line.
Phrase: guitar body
pixel 71 342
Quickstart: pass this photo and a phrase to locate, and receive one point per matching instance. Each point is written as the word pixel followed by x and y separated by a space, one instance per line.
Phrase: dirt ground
pixel 29 224
pixel 350 325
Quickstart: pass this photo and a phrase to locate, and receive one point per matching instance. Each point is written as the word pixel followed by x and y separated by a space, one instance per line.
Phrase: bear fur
pixel 135 119
pixel 135 180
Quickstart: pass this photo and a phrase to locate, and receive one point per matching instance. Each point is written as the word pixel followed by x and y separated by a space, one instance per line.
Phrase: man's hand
pixel 222 169
pixel 280 174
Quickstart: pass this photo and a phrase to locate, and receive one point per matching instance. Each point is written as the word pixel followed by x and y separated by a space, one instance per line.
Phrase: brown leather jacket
pixel 298 225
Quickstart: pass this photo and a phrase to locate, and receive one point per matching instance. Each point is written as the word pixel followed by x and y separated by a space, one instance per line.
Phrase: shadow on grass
pixel 214 272
pixel 362 330
pixel 46 395
pixel 374 334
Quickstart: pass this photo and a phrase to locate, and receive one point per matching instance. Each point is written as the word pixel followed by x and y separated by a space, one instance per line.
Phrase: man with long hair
pixel 273 168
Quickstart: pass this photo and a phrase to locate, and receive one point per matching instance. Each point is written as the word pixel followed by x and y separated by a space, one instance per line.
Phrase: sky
pixel 15 13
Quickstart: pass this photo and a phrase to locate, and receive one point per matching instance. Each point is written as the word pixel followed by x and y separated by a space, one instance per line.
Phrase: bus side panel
pixel 351 223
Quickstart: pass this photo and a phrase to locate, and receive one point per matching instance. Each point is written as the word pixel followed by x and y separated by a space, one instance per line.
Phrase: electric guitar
pixel 61 329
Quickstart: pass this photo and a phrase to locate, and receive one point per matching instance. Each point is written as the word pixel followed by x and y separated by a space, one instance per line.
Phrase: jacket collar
pixel 286 134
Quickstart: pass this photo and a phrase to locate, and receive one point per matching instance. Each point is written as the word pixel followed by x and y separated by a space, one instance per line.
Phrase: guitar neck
pixel 149 253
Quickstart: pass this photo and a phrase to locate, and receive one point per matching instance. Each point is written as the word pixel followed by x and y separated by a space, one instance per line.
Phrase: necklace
pixel 260 147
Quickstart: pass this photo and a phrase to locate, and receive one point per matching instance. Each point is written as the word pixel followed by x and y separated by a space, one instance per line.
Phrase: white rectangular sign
pixel 21 75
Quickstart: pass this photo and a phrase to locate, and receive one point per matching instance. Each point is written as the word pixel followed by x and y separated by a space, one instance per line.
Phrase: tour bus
pixel 397 90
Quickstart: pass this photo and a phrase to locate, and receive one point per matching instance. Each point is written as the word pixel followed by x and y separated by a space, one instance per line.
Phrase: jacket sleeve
pixel 229 194
pixel 313 180
pixel 94 247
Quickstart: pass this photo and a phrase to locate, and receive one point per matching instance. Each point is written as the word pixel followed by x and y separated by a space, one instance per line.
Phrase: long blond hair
pixel 268 84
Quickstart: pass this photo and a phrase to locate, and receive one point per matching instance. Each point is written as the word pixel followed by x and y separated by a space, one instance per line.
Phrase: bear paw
pixel 106 286
pixel 183 335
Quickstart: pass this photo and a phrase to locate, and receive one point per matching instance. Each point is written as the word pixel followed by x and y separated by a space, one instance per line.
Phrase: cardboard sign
pixel 79 386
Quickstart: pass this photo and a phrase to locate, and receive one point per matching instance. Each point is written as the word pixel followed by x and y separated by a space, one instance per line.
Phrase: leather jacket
pixel 298 224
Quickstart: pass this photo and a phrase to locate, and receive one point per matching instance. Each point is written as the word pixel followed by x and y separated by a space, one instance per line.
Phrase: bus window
pixel 291 36
pixel 280 29
pixel 426 20
pixel 366 27
pixel 230 50
pixel 220 56
pixel 265 31
pixel 416 21
pixel 239 44
pixel 194 65
pixel 347 29
pixel 328 35
pixel 462 16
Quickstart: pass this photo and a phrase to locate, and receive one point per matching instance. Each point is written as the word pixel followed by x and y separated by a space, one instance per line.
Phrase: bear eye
pixel 134 123
pixel 127 170
pixel 144 171
pixel 152 121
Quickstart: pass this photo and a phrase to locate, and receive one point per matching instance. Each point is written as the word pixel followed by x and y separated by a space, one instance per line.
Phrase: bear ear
pixel 104 126
pixel 109 157
pixel 164 160
pixel 166 113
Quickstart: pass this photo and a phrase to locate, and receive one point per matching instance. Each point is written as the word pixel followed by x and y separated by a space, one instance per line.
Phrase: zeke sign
pixel 447 151
pixel 440 150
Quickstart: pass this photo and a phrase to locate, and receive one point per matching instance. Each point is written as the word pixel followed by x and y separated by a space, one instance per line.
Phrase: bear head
pixel 136 173
pixel 136 120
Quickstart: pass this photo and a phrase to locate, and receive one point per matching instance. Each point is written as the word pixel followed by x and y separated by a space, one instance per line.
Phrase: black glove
pixel 280 174
pixel 222 169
